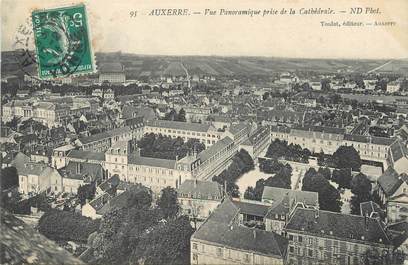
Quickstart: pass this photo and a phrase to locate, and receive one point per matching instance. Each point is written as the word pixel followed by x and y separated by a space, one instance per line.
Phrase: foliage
pixel 159 146
pixel 280 149
pixel 86 192
pixel 347 157
pixel 9 178
pixel 329 196
pixel 17 206
pixel 342 177
pixel 361 189
pixel 282 179
pixel 63 225
pixel 241 163
pixel 325 172
pixel 172 115
pixel 168 203
pixel 270 166
pixel 168 243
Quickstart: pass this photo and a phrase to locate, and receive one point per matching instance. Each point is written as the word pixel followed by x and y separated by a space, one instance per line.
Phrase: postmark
pixel 62 42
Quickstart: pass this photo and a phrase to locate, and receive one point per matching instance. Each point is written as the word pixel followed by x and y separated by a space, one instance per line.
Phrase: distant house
pixel 38 177
pixel 198 198
pixel 393 87
pixel 112 73
pixel 92 209
pixel 76 174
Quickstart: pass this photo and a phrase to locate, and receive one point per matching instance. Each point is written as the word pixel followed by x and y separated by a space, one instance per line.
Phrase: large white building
pixel 112 73
pixel 327 139
pixel 206 133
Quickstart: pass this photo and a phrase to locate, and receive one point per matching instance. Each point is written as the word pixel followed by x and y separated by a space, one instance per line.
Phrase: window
pixel 195 246
pixel 310 252
pixel 300 239
pixel 291 249
pixel 195 257
pixel 291 237
pixel 219 252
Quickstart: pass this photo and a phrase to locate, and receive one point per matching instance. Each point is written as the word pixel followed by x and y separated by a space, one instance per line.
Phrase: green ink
pixel 62 42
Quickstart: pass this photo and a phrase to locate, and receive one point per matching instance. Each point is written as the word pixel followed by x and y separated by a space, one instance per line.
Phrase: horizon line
pixel 247 56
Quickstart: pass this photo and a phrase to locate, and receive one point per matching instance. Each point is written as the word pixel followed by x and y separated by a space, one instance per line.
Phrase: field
pixel 149 66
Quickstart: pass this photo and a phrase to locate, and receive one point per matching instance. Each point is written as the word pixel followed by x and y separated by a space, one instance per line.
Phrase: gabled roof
pixel 389 181
pixel 342 226
pixel 86 155
pixel 136 159
pixel 274 194
pixel 220 229
pixel 19 160
pixel 104 135
pixel 81 170
pixel 371 209
pixel 200 189
pixel 214 149
pixel 178 125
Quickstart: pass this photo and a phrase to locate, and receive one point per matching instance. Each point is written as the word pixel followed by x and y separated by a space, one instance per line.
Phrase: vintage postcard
pixel 204 132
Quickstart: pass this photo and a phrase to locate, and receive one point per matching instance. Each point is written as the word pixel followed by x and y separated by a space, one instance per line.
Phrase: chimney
pixel 254 231
pixel 195 183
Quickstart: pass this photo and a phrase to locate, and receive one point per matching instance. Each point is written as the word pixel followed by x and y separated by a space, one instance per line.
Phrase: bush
pixel 67 226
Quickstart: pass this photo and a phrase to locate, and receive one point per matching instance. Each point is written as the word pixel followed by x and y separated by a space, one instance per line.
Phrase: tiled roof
pixel 200 189
pixel 86 155
pixel 342 226
pixel 100 201
pixel 274 194
pixel 389 181
pixel 398 233
pixel 256 209
pixel 214 149
pixel 104 135
pixel 219 230
pixel 93 171
pixel 398 150
pixel 369 139
pixel 178 125
pixel 32 168
pixel 111 68
pixel 136 159
pixel 19 160
pixel 109 183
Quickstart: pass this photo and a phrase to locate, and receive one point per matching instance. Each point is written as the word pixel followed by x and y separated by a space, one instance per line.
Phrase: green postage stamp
pixel 62 42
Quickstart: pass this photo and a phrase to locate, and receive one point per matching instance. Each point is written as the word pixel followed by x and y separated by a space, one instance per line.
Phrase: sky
pixel 295 36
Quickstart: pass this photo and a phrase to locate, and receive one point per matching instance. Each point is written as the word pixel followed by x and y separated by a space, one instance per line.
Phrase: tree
pixel 9 178
pixel 347 157
pixel 86 192
pixel 171 116
pixel 181 115
pixel 361 189
pixel 168 243
pixel 329 196
pixel 342 177
pixel 168 203
pixel 63 225
pixel 325 172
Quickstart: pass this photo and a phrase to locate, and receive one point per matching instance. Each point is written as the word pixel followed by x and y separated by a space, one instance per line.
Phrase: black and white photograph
pixel 270 132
